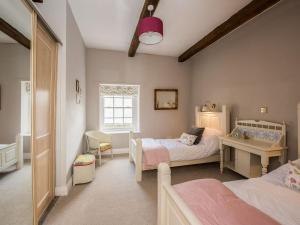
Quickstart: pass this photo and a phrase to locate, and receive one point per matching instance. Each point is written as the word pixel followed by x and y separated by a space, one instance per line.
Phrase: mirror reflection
pixel 15 114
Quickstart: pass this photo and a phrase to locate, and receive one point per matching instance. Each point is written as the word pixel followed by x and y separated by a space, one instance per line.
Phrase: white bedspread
pixel 3 146
pixel 208 146
pixel 281 203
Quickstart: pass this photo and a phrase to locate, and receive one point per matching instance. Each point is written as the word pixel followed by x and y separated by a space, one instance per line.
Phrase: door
pixel 44 61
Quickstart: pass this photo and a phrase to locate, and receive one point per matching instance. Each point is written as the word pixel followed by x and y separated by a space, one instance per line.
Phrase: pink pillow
pixel 293 177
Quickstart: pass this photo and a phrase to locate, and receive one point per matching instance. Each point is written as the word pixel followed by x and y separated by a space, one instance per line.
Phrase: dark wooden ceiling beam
pixel 14 33
pixel 135 40
pixel 251 10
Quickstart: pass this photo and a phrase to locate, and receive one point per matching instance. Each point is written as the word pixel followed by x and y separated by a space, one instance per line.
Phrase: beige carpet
pixel 114 197
pixel 16 197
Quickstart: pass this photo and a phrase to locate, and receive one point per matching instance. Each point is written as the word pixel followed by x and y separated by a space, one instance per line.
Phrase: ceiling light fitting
pixel 150 29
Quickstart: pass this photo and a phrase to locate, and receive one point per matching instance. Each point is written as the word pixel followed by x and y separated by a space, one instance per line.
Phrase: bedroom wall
pixel 148 71
pixel 15 67
pixel 76 118
pixel 256 65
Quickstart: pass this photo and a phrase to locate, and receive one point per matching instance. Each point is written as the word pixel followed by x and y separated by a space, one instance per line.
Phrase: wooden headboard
pixel 215 120
pixel 299 130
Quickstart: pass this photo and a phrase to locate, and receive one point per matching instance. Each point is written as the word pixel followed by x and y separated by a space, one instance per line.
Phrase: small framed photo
pixel 166 99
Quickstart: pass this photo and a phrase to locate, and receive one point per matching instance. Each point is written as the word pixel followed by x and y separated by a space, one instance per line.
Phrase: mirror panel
pixel 15 114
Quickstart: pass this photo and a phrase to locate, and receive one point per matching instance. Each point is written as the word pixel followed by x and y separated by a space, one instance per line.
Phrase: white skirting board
pixel 64 190
pixel 116 152
pixel 27 155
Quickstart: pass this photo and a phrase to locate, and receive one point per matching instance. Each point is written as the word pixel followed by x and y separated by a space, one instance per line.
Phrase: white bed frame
pixel 12 154
pixel 172 210
pixel 216 120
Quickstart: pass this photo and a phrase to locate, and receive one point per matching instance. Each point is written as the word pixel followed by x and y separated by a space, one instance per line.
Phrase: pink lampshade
pixel 150 30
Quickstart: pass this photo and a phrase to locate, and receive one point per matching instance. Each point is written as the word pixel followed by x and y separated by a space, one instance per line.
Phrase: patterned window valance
pixel 111 90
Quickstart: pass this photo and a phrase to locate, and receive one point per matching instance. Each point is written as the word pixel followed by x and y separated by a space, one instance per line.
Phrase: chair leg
pixel 100 159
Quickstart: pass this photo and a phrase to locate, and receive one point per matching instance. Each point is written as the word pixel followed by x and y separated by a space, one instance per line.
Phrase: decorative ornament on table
pixel 209 107
pixel 237 133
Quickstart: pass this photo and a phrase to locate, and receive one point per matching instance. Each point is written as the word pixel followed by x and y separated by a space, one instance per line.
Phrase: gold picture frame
pixel 166 99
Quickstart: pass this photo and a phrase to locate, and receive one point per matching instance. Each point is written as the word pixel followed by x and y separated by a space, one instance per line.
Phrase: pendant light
pixel 150 29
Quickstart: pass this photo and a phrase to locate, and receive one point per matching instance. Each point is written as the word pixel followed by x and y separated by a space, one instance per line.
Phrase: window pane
pixel 128 112
pixel 128 120
pixel 109 121
pixel 108 102
pixel 108 113
pixel 118 102
pixel 127 102
pixel 118 120
pixel 118 112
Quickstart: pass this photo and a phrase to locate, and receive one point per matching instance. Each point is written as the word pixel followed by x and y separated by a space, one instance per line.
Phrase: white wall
pixel 15 67
pixel 75 71
pixel 150 72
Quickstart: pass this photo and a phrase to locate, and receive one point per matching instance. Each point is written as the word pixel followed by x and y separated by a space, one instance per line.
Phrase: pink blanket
pixel 214 204
pixel 153 153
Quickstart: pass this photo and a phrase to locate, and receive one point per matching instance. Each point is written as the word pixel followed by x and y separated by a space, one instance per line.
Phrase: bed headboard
pixel 299 130
pixel 216 120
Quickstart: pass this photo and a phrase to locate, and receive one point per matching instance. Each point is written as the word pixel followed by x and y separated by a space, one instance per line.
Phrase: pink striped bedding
pixel 214 204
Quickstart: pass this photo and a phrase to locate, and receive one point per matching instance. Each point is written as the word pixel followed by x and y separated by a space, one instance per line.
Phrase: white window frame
pixel 135 112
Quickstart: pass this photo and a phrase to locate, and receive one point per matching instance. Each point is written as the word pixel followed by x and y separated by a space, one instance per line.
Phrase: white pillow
pixel 279 175
pixel 293 177
pixel 212 132
pixel 187 139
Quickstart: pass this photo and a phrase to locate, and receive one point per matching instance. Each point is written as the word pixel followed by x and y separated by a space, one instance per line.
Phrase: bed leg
pixel 138 160
pixel 19 150
pixel 221 157
pixel 138 175
pixel 130 146
pixel 164 178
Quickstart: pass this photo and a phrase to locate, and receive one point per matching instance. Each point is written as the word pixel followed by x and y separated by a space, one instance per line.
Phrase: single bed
pixel 215 123
pixel 11 154
pixel 268 199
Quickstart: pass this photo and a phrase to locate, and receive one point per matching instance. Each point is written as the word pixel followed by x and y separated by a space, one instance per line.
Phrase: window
pixel 119 108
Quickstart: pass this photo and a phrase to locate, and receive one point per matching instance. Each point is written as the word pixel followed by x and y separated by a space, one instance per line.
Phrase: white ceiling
pixel 110 24
pixel 17 15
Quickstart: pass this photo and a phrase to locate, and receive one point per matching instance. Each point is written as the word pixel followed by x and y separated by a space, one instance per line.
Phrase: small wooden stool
pixel 84 169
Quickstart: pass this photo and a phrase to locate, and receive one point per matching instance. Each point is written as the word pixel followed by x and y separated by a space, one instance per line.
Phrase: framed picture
pixel 165 99
pixel 78 92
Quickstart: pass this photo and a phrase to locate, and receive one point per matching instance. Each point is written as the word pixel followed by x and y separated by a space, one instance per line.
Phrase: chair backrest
pixel 95 137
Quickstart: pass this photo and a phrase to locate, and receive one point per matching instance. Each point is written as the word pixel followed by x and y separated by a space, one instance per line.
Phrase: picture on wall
pixel 165 99
pixel 78 92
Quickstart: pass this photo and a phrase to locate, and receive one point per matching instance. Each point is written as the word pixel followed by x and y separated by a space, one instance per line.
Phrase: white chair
pixel 98 142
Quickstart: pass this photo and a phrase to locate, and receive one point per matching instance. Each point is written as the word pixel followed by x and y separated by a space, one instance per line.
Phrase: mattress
pixel 208 146
pixel 222 207
pixel 272 198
